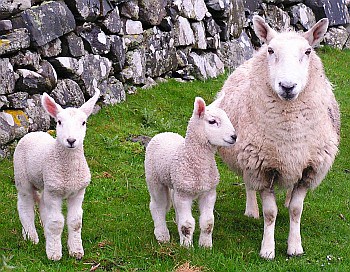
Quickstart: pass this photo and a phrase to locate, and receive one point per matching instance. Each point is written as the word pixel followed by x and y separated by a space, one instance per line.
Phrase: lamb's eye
pixel 84 123
pixel 59 122
pixel 270 50
pixel 308 51
pixel 212 122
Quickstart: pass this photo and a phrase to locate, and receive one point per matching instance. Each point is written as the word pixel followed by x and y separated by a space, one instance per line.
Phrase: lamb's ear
pixel 88 106
pixel 264 32
pixel 316 33
pixel 51 107
pixel 199 107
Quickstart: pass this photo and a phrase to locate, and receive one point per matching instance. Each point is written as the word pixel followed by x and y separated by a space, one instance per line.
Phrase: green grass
pixel 118 228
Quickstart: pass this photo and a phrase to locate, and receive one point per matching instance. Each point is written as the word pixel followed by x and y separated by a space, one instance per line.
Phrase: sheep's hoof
pixel 162 236
pixel 295 252
pixel 186 243
pixel 267 255
pixel 33 236
pixel 252 214
pixel 205 242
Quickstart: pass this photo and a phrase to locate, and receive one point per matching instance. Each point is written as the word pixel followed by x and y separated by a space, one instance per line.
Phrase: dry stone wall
pixel 66 48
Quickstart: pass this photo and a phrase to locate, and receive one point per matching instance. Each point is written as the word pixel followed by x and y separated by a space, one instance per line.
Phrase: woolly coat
pixel 186 165
pixel 40 161
pixel 280 142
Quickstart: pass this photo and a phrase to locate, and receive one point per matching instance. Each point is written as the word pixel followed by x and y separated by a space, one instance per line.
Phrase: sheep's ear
pixel 51 107
pixel 264 32
pixel 199 107
pixel 219 97
pixel 88 106
pixel 316 33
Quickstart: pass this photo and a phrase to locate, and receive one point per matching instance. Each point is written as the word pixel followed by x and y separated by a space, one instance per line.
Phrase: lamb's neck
pixel 199 148
pixel 69 154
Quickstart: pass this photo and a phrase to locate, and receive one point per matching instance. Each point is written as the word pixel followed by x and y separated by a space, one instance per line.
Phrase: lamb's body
pixel 186 168
pixel 57 169
pixel 287 122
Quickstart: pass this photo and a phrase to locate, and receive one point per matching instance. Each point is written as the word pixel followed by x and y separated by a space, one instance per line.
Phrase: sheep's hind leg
pixel 25 206
pixel 185 220
pixel 53 222
pixel 295 210
pixel 251 207
pixel 206 219
pixel 270 213
pixel 74 223
pixel 159 206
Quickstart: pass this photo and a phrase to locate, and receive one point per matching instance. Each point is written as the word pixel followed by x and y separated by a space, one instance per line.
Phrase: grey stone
pixel 337 37
pixel 14 41
pixel 7 77
pixel 199 35
pixel 5 26
pixel 117 52
pixel 18 100
pixel 206 66
pixel 98 41
pixel 335 10
pixel 160 52
pixel 89 10
pixel 51 49
pixel 133 41
pixel 166 24
pixel 112 22
pixel 211 27
pixel 46 22
pixel 31 82
pixel 130 27
pixel 67 67
pixel 183 32
pixel 112 91
pixel 7 132
pixel 72 45
pixel 149 83
pixel 213 42
pixel 277 18
pixel 182 58
pixel 4 102
pixel 47 71
pixel 301 16
pixel 27 59
pixel 191 9
pixel 251 5
pixel 152 12
pixel 68 93
pixel 12 7
pixel 38 119
pixel 135 71
pixel 130 9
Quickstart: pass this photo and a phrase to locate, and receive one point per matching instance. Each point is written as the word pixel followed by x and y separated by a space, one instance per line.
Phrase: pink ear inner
pixel 50 107
pixel 201 108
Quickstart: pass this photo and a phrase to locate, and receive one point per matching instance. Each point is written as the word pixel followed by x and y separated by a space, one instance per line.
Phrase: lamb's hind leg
pixel 74 223
pixel 159 206
pixel 206 219
pixel 270 213
pixel 295 210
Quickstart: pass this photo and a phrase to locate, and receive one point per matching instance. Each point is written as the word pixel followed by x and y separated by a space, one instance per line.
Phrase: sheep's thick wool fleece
pixel 184 164
pixel 42 158
pixel 279 140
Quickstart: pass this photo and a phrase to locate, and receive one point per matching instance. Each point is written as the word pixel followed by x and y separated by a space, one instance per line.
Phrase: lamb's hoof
pixel 267 255
pixel 54 256
pixel 253 214
pixel 162 236
pixel 186 243
pixel 294 252
pixel 31 236
pixel 78 254
pixel 205 242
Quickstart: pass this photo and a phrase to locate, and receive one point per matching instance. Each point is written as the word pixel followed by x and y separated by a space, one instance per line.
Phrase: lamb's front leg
pixel 270 213
pixel 206 219
pixel 53 222
pixel 295 210
pixel 185 220
pixel 74 223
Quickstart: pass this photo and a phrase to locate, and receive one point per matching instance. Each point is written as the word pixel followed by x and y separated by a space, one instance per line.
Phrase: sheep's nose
pixel 71 141
pixel 234 137
pixel 287 87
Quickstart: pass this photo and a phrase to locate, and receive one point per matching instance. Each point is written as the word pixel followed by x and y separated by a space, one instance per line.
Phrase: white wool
pixel 287 122
pixel 57 169
pixel 186 168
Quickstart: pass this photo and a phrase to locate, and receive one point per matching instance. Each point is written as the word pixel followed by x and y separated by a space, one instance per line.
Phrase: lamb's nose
pixel 71 141
pixel 287 87
pixel 234 137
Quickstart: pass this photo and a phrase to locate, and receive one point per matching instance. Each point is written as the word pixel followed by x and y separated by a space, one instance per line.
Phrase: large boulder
pixel 183 32
pixel 207 65
pixel 152 12
pixel 68 93
pixel 7 77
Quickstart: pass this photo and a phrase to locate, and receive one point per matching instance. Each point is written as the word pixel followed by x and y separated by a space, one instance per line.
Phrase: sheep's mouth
pixel 288 96
pixel 230 142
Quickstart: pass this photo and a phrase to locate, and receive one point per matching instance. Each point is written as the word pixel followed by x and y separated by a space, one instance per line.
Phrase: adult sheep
pixel 287 123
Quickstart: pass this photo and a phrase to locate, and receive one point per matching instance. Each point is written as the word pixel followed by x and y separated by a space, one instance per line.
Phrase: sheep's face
pixel 71 128
pixel 288 58
pixel 218 127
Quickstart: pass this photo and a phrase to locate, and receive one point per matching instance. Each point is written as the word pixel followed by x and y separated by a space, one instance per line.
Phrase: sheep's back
pixel 160 153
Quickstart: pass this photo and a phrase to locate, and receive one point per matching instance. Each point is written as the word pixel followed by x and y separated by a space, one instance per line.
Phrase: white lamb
pixel 58 169
pixel 287 120
pixel 185 169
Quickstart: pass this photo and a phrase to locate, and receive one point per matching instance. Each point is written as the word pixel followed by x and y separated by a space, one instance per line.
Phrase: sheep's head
pixel 217 126
pixel 288 56
pixel 71 122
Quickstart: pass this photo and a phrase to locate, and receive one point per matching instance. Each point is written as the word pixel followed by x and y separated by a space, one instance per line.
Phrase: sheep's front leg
pixel 270 213
pixel 53 221
pixel 206 219
pixel 74 223
pixel 295 210
pixel 185 220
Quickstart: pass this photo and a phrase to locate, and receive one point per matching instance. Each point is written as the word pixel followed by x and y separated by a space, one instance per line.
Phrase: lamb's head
pixel 288 56
pixel 217 127
pixel 71 122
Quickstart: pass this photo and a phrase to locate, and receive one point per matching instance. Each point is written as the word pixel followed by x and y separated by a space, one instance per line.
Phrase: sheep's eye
pixel 270 50
pixel 308 51
pixel 212 122
pixel 59 122
pixel 84 123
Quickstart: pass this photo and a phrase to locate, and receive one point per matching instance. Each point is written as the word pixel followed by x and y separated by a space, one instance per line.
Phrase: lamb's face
pixel 71 127
pixel 218 127
pixel 288 57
